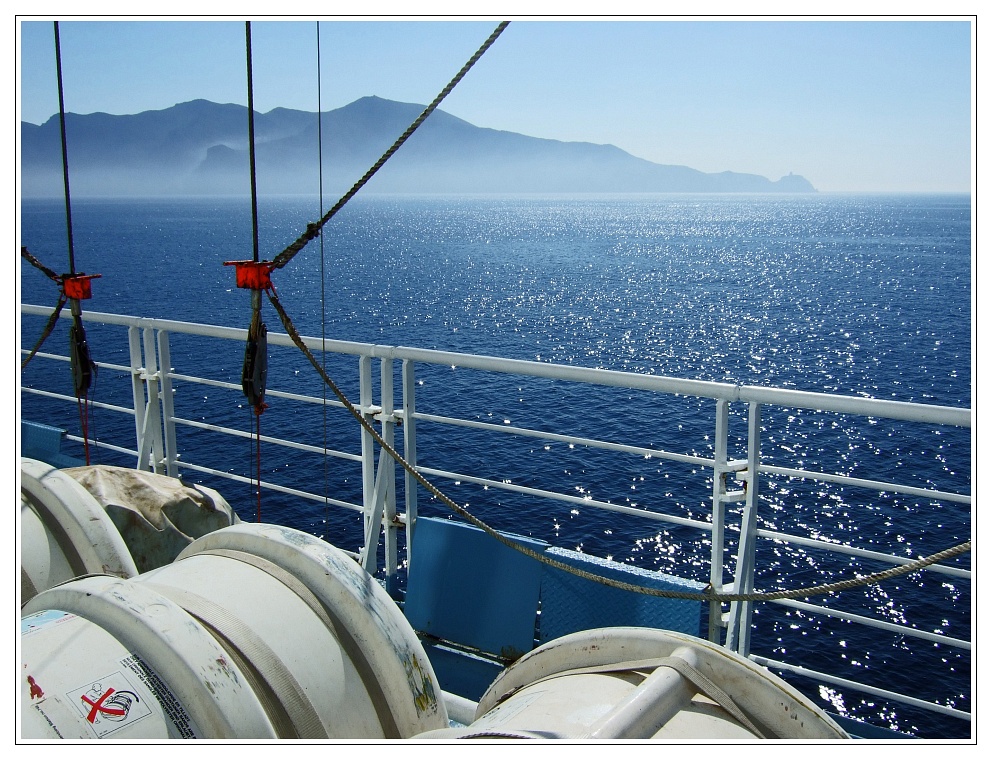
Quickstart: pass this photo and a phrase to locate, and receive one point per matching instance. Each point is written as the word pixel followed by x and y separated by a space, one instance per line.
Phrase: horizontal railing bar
pixel 267 439
pixel 931 706
pixel 206 381
pixel 304 398
pixel 63 358
pixel 657 516
pixel 46 355
pixel 958 572
pixel 857 405
pixel 102 445
pixel 269 392
pixel 271 486
pixel 875 485
pixel 72 399
pixel 900 410
pixel 543 435
pixel 884 625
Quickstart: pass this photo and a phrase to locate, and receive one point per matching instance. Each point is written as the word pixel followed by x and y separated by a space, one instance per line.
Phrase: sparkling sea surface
pixel 865 295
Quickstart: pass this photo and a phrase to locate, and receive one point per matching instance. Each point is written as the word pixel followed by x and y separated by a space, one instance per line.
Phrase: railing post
pixel 739 628
pixel 153 422
pixel 388 487
pixel 137 389
pixel 368 452
pixel 168 407
pixel 720 470
pixel 409 452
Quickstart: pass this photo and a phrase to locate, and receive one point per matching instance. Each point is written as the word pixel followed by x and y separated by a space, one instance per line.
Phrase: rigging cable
pixel 323 301
pixel 75 286
pixel 314 228
pixel 255 367
pixel 54 318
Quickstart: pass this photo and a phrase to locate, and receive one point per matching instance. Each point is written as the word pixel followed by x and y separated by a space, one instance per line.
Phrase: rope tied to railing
pixel 54 318
pixel 709 595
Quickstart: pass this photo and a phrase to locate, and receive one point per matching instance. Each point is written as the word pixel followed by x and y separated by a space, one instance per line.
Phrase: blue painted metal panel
pixel 466 587
pixel 859 730
pixel 462 673
pixel 570 603
pixel 44 443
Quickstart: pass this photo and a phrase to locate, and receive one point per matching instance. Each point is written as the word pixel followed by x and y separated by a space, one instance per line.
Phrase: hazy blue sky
pixel 850 104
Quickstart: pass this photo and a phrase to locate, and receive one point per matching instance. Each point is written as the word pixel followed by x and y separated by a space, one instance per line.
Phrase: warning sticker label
pixel 110 704
pixel 184 726
pixel 39 620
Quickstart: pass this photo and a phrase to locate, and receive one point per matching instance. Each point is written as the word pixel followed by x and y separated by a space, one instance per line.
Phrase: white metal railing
pixel 152 375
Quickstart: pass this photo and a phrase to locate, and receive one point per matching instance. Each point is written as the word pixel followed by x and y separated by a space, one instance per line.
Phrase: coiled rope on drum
pixel 709 595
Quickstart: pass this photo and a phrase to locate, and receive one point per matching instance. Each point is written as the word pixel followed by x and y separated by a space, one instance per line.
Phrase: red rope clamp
pixel 77 286
pixel 252 275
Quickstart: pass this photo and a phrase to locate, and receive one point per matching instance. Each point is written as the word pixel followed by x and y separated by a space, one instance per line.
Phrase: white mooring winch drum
pixel 65 532
pixel 254 632
pixel 640 683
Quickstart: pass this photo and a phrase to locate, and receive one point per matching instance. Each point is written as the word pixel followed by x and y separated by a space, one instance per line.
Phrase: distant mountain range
pixel 201 148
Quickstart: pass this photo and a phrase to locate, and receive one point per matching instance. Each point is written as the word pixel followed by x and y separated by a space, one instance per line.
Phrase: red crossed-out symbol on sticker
pixel 97 708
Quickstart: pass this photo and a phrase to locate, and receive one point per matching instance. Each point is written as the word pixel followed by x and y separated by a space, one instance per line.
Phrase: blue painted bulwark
pixel 570 603
pixel 44 443
pixel 466 587
pixel 460 672
pixel 859 730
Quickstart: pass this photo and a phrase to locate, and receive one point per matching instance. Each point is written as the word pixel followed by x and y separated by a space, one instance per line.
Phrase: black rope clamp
pixel 79 358
pixel 254 276
pixel 255 368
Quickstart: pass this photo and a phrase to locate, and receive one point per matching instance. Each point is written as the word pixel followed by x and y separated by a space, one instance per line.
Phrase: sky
pixel 853 104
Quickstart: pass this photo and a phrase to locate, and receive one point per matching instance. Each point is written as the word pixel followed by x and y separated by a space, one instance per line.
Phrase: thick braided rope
pixel 706 596
pixel 313 229
pixel 26 254
pixel 54 317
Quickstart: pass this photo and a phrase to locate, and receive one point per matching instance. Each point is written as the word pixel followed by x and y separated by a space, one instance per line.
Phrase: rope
pixel 314 228
pixel 258 466
pixel 49 327
pixel 251 145
pixel 83 403
pixel 706 596
pixel 323 299
pixel 256 331
pixel 26 254
pixel 65 153
pixel 54 318
pixel 79 357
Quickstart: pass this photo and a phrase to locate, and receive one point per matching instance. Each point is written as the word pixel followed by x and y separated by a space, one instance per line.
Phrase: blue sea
pixel 866 295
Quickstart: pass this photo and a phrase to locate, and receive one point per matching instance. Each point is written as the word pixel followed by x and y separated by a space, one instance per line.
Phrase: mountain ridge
pixel 201 148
